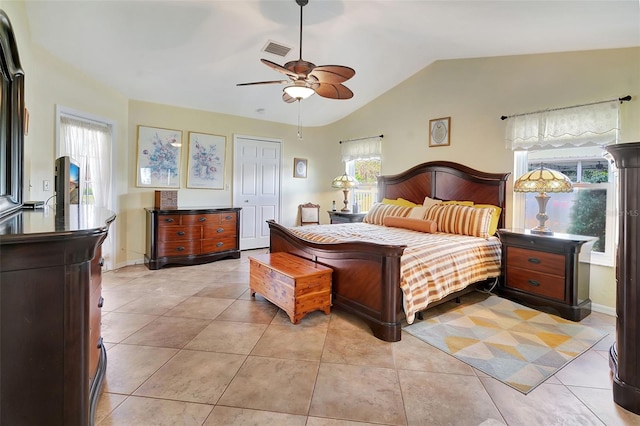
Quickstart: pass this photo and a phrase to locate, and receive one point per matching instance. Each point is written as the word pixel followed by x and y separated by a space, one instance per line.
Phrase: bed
pixel 367 275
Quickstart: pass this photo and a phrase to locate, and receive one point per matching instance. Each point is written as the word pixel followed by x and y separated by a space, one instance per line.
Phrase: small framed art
pixel 440 132
pixel 299 167
pixel 206 161
pixel 158 162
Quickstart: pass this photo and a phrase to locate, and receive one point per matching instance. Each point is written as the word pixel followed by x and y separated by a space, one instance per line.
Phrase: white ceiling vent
pixel 276 48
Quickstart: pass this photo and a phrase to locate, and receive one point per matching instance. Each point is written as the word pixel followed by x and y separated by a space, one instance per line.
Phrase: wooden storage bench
pixel 296 285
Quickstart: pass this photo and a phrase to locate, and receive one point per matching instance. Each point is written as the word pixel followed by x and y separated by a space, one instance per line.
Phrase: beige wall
pixel 473 92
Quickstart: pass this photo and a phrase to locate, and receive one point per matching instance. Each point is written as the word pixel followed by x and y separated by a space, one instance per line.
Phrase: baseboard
pixel 603 309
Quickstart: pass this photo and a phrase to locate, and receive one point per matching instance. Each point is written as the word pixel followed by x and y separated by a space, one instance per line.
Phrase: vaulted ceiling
pixel 193 53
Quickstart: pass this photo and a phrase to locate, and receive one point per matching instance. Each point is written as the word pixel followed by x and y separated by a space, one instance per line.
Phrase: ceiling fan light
pixel 298 91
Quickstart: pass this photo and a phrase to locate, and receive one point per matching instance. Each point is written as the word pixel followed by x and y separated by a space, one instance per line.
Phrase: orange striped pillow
pixel 379 211
pixel 463 220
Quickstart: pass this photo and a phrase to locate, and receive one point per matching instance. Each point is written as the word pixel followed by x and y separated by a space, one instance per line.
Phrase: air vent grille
pixel 276 48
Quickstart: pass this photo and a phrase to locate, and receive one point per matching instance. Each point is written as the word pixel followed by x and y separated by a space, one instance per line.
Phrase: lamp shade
pixel 543 180
pixel 344 182
pixel 299 91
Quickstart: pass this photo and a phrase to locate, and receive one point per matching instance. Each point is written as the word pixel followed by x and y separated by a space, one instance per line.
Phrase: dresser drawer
pixel 229 218
pixel 178 248
pixel 95 312
pixel 219 244
pixel 168 220
pixel 179 233
pixel 225 229
pixel 537 261
pixel 201 219
pixel 536 282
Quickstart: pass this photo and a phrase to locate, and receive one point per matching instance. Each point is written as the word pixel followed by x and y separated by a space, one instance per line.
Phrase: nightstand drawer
pixel 538 261
pixel 535 282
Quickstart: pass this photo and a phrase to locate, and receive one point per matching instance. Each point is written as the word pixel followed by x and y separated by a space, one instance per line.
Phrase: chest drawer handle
pixel 180 248
pixel 534 283
pixel 228 217
pixel 219 230
pixel 534 260
pixel 180 233
pixel 169 220
pixel 202 219
pixel 101 262
pixel 100 343
pixel 101 302
pixel 219 244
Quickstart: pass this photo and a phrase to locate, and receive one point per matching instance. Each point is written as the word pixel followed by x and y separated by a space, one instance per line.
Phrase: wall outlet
pixel 46 186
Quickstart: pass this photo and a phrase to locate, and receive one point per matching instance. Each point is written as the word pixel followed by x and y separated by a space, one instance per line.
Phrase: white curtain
pixel 89 143
pixel 595 124
pixel 362 149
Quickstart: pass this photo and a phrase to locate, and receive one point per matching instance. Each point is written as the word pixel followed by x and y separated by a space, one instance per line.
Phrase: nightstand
pixel 547 272
pixel 345 217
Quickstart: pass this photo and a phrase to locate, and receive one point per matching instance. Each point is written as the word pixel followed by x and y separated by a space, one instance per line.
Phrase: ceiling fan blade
pixel 333 73
pixel 288 99
pixel 279 68
pixel 263 82
pixel 334 91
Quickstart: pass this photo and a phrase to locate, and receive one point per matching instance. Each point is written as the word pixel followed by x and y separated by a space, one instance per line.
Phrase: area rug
pixel 517 345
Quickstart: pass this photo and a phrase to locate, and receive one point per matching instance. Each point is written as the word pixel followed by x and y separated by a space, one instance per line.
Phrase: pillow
pixel 459 203
pixel 463 220
pixel 495 216
pixel 379 211
pixel 418 212
pixel 428 202
pixel 399 202
pixel 421 225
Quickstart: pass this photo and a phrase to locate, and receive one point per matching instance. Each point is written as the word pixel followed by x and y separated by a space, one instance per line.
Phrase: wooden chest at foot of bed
pixel 296 285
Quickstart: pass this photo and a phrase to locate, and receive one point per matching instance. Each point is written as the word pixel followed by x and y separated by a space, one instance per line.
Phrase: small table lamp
pixel 345 182
pixel 542 180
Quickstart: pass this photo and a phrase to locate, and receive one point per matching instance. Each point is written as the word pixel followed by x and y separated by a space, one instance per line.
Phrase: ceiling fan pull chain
pixel 299 123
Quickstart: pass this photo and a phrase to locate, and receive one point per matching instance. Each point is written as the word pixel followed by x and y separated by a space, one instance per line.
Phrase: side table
pixel 345 217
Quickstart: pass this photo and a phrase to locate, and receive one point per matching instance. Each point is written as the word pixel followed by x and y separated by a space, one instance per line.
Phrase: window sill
pixel 601 259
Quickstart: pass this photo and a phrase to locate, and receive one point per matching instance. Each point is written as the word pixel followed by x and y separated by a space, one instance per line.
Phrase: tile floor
pixel 189 346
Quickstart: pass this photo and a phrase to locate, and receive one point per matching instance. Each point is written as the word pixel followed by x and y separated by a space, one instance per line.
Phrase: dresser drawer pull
pixel 101 262
pixel 219 244
pixel 100 343
pixel 101 302
pixel 169 220
pixel 180 233
pixel 534 283
pixel 534 260
pixel 180 248
pixel 228 217
pixel 202 219
pixel 219 230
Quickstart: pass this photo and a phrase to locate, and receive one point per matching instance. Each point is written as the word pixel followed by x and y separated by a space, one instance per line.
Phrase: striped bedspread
pixel 432 265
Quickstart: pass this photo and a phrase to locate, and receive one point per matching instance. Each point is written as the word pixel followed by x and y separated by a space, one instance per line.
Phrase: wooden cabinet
pixel 52 359
pixel 624 355
pixel 548 272
pixel 191 236
pixel 344 217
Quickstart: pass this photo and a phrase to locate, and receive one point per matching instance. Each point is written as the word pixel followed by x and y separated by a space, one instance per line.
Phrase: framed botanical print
pixel 440 131
pixel 206 161
pixel 299 167
pixel 158 160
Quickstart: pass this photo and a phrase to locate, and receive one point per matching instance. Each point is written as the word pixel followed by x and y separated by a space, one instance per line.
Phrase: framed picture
pixel 158 162
pixel 300 168
pixel 440 132
pixel 205 166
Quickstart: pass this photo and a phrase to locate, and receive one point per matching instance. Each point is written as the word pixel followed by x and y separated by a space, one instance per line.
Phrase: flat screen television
pixel 67 181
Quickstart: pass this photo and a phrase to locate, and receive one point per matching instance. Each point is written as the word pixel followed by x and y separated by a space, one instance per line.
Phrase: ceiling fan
pixel 307 78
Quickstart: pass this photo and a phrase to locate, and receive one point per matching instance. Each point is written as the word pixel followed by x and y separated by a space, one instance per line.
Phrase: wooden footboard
pixel 366 277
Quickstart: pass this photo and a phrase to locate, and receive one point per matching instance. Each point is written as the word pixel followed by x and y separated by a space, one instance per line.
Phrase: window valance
pixel 593 124
pixel 362 149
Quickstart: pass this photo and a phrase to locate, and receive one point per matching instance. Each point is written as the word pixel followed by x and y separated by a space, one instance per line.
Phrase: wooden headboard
pixel 445 180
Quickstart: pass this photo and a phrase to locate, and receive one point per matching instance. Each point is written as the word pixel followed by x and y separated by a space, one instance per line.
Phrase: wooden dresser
pixel 191 236
pixel 548 272
pixel 52 359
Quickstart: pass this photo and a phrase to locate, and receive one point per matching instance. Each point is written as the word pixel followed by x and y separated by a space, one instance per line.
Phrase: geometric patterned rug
pixel 515 344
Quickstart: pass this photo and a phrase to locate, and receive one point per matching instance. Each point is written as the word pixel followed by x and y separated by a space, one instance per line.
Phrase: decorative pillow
pixel 379 211
pixel 459 203
pixel 418 212
pixel 399 202
pixel 495 216
pixel 428 202
pixel 463 220
pixel 421 225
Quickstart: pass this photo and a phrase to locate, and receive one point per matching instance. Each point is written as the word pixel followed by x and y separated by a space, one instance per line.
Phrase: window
pixel 362 161
pixel 586 210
